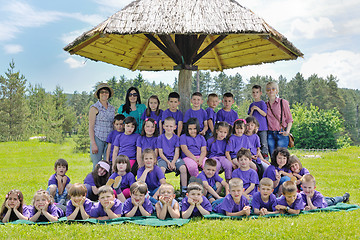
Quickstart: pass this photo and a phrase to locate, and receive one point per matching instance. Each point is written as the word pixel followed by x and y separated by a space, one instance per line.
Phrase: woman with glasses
pixel 133 106
pixel 278 117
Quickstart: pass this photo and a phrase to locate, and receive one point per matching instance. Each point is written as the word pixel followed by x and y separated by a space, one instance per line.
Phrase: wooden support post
pixel 185 80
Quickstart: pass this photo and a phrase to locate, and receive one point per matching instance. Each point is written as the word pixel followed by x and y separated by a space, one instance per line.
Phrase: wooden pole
pixel 185 79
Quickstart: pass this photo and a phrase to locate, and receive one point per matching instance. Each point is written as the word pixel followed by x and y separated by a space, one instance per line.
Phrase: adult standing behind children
pixel 101 117
pixel 133 106
pixel 279 118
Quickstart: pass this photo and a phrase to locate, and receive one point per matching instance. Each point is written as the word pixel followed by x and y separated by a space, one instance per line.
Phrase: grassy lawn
pixel 28 165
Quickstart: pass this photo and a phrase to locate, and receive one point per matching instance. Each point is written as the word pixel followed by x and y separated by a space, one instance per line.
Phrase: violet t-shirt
pixel 236 143
pixel 211 115
pixel 217 148
pixel 89 179
pixel 225 116
pixel 317 200
pixel 298 204
pixel 126 181
pixel 303 172
pixel 200 114
pixel 194 144
pixel 177 115
pixel 254 144
pixel 52 209
pixel 258 203
pixel 157 118
pixel 53 181
pixel 261 119
pixel 205 204
pixel 127 144
pixel 168 145
pixel 145 142
pixel 229 205
pixel 270 172
pixel 70 208
pixel 211 181
pixel 152 178
pixel 250 176
pixel 128 206
pixel 111 139
pixel 98 211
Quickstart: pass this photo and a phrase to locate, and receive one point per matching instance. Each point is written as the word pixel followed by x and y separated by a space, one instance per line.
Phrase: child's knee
pixel 182 169
pixel 52 189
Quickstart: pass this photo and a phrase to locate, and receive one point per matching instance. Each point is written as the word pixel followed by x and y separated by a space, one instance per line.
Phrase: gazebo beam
pixel 85 43
pixel 198 42
pixel 171 46
pixel 216 55
pixel 208 48
pixel 141 55
pixel 161 47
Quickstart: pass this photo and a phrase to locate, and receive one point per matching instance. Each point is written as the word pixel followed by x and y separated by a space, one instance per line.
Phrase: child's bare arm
pixel 143 211
pixel 50 217
pixel 211 125
pixel 187 152
pixel 187 213
pixel 177 154
pixel 202 155
pixel 144 175
pixel 210 190
pixel 245 211
pixel 108 150
pixel 74 214
pixel 174 211
pixel 226 186
pixel 115 153
pixel 250 188
pixel 138 157
pixel 160 127
pixel 202 210
pixel 132 212
pixel 160 212
pixel 179 128
pixel 205 128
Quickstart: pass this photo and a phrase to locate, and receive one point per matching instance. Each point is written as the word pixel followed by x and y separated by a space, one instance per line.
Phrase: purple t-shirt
pixel 317 200
pixel 128 206
pixel 157 118
pixel 98 211
pixel 177 115
pixel 248 177
pixel 111 139
pixel 224 116
pixel 270 172
pixel 303 172
pixel 298 204
pixel 126 181
pixel 25 211
pixel 127 144
pixel 211 115
pixel 261 119
pixel 193 144
pixel 205 204
pixel 236 143
pixel 229 205
pixel 254 144
pixel 145 142
pixel 52 209
pixel 217 148
pixel 258 203
pixel 70 208
pixel 168 145
pixel 152 178
pixel 200 114
pixel 53 181
pixel 89 179
pixel 211 181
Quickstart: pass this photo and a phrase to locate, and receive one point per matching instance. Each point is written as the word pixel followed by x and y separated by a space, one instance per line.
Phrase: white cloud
pixel 73 63
pixel 312 28
pixel 342 64
pixel 112 6
pixel 71 36
pixel 13 48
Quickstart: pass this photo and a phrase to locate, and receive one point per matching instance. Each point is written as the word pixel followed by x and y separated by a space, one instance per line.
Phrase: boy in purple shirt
pixel 59 183
pixel 291 201
pixel 226 114
pixel 197 112
pixel 264 201
pixel 79 207
pixel 172 111
pixel 212 182
pixel 195 204
pixel 234 204
pixel 258 109
pixel 118 126
pixel 138 204
pixel 212 102
pixel 108 206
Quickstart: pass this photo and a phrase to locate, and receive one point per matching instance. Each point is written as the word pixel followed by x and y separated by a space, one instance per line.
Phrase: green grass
pixel 28 165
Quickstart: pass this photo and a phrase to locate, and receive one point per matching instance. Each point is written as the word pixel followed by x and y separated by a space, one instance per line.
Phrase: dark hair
pixel 212 95
pixel 198 94
pixel 222 124
pixel 148 110
pixel 244 152
pixel 4 209
pixel 192 121
pixel 99 180
pixel 143 133
pixel 174 95
pixel 256 87
pixel 122 159
pixel 277 151
pixel 239 123
pixel 252 119
pixel 228 94
pixel 195 186
pixel 106 88
pixel 61 162
pixel 139 186
pixel 126 106
pixel 294 159
pixel 132 120
pixel 119 117
pixel 210 162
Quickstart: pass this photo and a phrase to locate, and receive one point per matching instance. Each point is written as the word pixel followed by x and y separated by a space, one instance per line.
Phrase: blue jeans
pixel 275 139
pixel 333 200
pixel 102 146
pixel 263 141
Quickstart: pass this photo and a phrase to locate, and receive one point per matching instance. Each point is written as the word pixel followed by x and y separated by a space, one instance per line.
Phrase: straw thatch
pixel 120 40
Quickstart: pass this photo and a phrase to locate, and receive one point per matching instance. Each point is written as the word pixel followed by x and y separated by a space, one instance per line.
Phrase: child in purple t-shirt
pixel 118 126
pixel 43 209
pixel 153 111
pixel 59 183
pixel 236 141
pixel 147 139
pixel 197 112
pixel 226 114
pixel 245 173
pixel 122 178
pixel 13 207
pixel 195 204
pixel 212 102
pixel 138 204
pixel 108 206
pixel 172 111
pixel 78 207
pixel 291 201
pixel 264 201
pixel 97 178
pixel 297 169
pixel 234 204
pixel 125 143
pixel 167 206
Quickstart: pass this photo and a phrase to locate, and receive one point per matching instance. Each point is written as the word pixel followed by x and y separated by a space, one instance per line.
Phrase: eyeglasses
pixel 104 91
pixel 133 94
pixel 269 89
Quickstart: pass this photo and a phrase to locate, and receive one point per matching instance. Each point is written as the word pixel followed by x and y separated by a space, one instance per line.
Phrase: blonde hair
pixel 308 178
pixel 294 159
pixel 44 193
pixel 266 182
pixel 236 182
pixel 166 185
pixel 289 187
pixel 149 151
pixel 78 189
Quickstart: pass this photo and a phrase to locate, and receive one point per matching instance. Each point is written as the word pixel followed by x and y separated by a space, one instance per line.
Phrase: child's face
pixel 192 130
pixel 133 96
pixel 236 192
pixel 295 168
pixel 149 160
pixel 196 101
pixel 250 127
pixel 239 131
pixel 308 188
pixel 265 191
pixel 106 197
pixel 213 102
pixel 41 202
pixel 119 125
pixel 153 104
pixel 169 126
pixel 60 170
pixel 149 128
pixel 173 104
pixel 222 132
pixel 167 193
pixel 121 167
pixel 194 195
pixel 290 197
pixel 228 102
pixel 244 162
pixel 129 128
pixel 281 160
pixel 256 93
pixel 137 196
pixel 101 172
pixel 77 199
pixel 271 91
pixel 209 171
pixel 13 200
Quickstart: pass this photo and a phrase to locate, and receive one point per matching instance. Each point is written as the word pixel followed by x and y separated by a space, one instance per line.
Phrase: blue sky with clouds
pixel 34 32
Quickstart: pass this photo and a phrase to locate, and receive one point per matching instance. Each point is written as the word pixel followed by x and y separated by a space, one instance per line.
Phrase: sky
pixel 33 33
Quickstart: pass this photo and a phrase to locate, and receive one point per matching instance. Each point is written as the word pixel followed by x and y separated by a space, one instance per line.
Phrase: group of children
pixel 207 141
